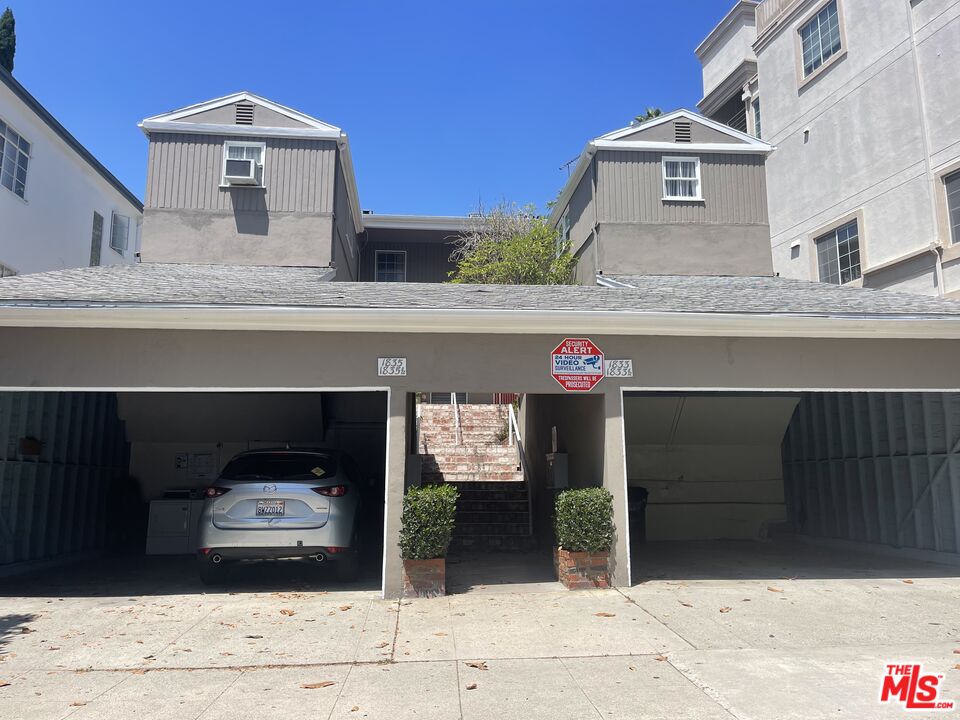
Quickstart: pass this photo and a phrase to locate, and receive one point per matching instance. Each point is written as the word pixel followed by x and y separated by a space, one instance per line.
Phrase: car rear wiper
pixel 254 476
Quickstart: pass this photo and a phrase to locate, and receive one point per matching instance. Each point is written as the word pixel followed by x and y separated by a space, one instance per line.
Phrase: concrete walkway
pixel 774 647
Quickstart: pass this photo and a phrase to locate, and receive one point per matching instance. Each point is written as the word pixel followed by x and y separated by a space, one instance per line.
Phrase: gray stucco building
pixel 859 98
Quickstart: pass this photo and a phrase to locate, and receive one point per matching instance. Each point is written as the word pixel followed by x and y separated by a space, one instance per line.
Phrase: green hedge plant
pixel 426 524
pixel 584 520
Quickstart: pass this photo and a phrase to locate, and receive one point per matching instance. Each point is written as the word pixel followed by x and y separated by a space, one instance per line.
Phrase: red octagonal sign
pixel 577 364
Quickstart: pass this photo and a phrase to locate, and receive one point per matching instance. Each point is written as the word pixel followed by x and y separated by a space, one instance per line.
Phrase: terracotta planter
pixel 425 578
pixel 582 570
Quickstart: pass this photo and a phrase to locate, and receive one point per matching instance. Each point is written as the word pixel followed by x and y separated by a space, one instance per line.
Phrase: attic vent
pixel 682 131
pixel 244 114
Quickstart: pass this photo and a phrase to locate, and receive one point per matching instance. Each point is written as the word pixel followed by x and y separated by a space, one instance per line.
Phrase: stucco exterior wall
pixel 728 49
pixel 678 249
pixel 117 359
pixel 51 227
pixel 840 150
pixel 237 238
pixel 289 221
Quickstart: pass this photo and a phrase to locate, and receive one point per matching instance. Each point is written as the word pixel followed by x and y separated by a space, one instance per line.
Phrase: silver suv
pixel 282 503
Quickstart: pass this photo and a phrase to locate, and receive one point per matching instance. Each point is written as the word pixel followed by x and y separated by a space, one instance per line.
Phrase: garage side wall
pixel 877 468
pixel 62 454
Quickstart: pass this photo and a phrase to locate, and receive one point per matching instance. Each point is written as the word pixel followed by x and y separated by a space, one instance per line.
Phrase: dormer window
pixel 243 164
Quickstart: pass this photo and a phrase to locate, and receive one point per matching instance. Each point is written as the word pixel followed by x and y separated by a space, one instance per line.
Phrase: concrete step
pixel 497 528
pixel 432 476
pixel 491 516
pixel 494 506
pixel 480 468
pixel 493 543
pixel 492 495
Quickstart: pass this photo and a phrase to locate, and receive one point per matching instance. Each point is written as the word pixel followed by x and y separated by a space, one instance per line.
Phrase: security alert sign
pixel 577 364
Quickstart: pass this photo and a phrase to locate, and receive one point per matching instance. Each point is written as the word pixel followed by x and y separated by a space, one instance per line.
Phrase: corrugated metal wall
pixel 54 503
pixel 876 467
pixel 184 172
pixel 630 189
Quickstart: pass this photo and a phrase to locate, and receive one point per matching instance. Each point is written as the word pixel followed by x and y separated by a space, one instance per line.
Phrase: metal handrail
pixel 458 431
pixel 521 456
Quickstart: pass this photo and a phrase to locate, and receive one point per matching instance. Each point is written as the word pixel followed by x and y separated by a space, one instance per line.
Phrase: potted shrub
pixel 584 527
pixel 426 527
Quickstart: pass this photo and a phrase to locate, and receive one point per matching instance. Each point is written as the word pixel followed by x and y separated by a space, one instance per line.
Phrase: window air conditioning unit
pixel 241 172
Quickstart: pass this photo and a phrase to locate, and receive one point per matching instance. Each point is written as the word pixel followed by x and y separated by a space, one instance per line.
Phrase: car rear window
pixel 278 466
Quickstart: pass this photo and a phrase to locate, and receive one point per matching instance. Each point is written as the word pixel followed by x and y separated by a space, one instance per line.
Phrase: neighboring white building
pixel 860 99
pixel 59 206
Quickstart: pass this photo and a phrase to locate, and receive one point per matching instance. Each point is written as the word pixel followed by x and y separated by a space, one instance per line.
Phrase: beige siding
pixel 630 189
pixel 185 170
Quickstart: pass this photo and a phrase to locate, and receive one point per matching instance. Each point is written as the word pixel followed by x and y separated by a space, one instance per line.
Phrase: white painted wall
pixel 872 146
pixel 161 426
pixel 711 464
pixel 732 46
pixel 51 228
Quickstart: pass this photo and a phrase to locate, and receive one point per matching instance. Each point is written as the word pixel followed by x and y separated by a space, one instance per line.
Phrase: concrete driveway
pixel 715 630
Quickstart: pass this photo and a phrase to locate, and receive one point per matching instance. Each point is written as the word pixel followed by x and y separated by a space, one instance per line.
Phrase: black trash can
pixel 637 510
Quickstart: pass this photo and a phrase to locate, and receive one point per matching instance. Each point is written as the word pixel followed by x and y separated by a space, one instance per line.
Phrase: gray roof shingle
pixel 245 285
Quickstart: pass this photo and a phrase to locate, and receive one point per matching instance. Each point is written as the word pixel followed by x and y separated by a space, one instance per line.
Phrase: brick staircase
pixel 493 511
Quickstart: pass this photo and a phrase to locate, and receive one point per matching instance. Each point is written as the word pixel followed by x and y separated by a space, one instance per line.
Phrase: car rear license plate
pixel 269 508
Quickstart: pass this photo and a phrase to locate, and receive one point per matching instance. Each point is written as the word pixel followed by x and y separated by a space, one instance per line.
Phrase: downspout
pixel 596 216
pixel 937 251
pixel 936 245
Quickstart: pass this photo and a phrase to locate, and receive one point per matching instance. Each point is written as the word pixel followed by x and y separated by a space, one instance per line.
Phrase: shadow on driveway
pixel 781 558
pixel 177 575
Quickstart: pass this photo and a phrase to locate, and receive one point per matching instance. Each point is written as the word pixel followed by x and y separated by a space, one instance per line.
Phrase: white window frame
pixel 697 177
pixel 17 153
pixel 126 239
pixel 376 263
pixel 245 144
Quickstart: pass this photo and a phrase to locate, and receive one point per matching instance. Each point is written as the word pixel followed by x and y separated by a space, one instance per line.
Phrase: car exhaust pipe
pixel 319 557
pixel 216 558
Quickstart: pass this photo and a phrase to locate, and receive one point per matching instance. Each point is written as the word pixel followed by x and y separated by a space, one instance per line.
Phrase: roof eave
pixel 583 162
pixel 60 131
pixel 172 126
pixel 470 321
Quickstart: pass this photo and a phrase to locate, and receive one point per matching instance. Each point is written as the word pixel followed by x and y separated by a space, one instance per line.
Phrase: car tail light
pixel 335 550
pixel 204 551
pixel 332 491
pixel 213 492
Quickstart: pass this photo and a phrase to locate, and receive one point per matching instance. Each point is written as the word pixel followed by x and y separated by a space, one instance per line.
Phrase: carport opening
pixel 116 482
pixel 509 455
pixel 804 484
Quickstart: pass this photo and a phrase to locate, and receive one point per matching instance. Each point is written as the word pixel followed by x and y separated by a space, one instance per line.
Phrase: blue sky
pixel 446 103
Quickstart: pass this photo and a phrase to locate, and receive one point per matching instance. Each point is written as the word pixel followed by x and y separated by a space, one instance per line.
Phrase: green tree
pixel 513 246
pixel 650 114
pixel 8 40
